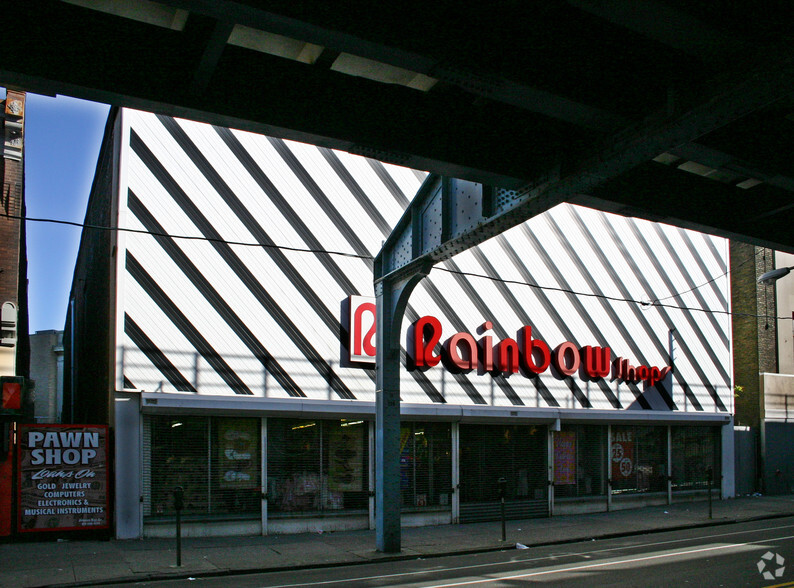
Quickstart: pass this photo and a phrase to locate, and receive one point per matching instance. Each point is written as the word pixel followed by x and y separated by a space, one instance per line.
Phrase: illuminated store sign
pixel 462 353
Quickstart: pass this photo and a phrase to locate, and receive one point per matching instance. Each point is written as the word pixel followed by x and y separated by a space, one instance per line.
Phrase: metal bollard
pixel 179 504
pixel 502 485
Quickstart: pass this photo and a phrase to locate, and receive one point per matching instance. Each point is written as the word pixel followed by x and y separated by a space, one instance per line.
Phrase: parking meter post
pixel 179 503
pixel 710 473
pixel 502 484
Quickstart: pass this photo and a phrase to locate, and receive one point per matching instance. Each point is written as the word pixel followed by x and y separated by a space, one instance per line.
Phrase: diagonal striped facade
pixel 282 233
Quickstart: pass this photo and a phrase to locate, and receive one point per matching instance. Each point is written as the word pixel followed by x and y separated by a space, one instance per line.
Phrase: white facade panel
pixel 267 319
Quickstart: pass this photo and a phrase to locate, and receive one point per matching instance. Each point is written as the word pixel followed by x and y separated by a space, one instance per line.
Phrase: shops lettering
pixel 462 353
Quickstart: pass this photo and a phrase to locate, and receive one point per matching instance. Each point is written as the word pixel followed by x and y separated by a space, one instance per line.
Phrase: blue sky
pixel 62 138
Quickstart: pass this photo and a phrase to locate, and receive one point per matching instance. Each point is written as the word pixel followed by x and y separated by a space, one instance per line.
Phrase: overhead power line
pixel 643 303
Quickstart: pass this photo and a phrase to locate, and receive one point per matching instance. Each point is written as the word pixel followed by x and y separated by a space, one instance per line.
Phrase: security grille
pixel 425 465
pixel 517 453
pixel 317 466
pixel 215 460
pixel 580 457
pixel 695 450
pixel 638 457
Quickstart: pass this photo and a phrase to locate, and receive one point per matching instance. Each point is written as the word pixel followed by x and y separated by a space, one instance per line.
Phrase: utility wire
pixel 643 303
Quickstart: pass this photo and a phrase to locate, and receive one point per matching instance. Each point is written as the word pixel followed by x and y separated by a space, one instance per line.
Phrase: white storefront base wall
pixel 167 530
pixel 128 465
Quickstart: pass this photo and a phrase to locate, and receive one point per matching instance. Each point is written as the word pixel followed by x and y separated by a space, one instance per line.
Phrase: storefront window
pixel 317 466
pixel 516 453
pixel 215 460
pixel 579 461
pixel 639 459
pixel 695 449
pixel 425 465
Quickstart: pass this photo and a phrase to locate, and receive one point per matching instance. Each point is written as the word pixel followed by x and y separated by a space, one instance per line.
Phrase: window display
pixel 638 455
pixel 579 461
pixel 317 466
pixel 425 465
pixel 215 460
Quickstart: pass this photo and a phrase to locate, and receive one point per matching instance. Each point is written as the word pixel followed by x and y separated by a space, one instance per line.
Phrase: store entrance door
pixel 517 453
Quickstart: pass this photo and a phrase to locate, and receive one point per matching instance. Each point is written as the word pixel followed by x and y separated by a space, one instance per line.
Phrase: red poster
pixel 63 478
pixel 622 455
pixel 564 457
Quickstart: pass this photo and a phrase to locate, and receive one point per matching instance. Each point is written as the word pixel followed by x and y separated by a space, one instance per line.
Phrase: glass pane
pixel 639 459
pixel 318 466
pixel 514 452
pixel 235 487
pixel 179 458
pixel 425 465
pixel 345 465
pixel 579 461
pixel 293 465
pixel 695 449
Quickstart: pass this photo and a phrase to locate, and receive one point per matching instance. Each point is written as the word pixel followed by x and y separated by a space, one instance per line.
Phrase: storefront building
pixel 583 357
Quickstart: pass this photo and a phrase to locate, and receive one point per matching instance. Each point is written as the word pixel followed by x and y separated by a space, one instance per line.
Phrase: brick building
pixel 14 350
pixel 14 345
pixel 763 367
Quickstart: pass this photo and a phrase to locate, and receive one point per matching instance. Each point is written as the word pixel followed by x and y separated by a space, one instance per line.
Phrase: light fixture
pixel 306 426
pixel 772 276
pixel 350 423
pixel 176 424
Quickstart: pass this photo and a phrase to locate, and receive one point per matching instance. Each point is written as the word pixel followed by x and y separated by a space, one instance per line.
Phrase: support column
pixel 391 299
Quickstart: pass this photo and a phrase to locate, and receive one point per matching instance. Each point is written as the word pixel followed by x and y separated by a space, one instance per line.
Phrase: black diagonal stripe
pixel 244 215
pixel 157 357
pixel 181 322
pixel 500 332
pixel 518 309
pixel 624 292
pixel 715 289
pixel 361 197
pixel 237 266
pixel 689 319
pixel 388 181
pixel 282 204
pixel 461 379
pixel 691 285
pixel 574 300
pixel 638 275
pixel 128 385
pixel 339 221
pixel 459 325
pixel 212 296
pixel 716 254
pixel 310 185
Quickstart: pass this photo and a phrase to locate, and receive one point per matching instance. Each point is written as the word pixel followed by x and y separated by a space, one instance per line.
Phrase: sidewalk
pixel 101 562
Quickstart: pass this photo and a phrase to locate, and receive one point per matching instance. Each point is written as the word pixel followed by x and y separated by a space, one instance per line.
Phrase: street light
pixel 772 276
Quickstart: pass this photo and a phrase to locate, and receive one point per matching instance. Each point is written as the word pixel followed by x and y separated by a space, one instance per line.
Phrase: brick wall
pixel 754 335
pixel 13 261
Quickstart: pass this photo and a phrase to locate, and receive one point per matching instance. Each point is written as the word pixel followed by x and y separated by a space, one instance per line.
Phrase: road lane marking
pixel 602 564
pixel 547 557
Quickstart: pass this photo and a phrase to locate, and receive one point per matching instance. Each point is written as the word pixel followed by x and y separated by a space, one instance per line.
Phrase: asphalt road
pixel 726 555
